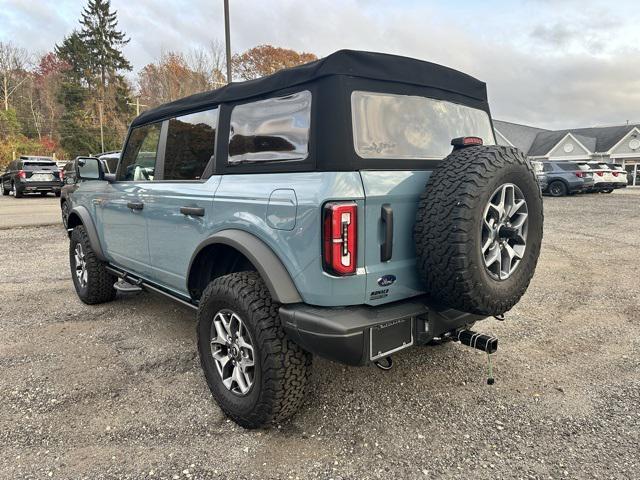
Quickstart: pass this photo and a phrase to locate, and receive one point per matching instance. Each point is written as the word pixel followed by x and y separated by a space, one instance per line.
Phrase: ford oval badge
pixel 386 280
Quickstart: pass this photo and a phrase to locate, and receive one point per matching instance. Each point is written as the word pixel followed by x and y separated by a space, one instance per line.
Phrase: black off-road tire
pixel 17 193
pixel 5 192
pixel 99 287
pixel 282 368
pixel 64 212
pixel 609 190
pixel 448 230
pixel 557 188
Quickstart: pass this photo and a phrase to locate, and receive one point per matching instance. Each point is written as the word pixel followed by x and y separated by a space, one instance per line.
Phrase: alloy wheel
pixel 80 261
pixel 232 351
pixel 504 231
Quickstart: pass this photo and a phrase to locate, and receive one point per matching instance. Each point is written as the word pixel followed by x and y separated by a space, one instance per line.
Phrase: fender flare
pixel 268 265
pixel 90 227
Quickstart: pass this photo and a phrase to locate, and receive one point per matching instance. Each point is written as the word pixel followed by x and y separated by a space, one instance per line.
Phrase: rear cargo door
pixel 391 203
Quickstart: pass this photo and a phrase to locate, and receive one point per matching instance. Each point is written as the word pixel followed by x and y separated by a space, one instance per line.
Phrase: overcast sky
pixel 548 63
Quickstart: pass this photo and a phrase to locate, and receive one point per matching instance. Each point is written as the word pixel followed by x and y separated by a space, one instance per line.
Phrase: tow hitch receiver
pixel 483 342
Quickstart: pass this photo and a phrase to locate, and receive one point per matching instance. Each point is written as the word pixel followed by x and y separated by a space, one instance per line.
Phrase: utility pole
pixel 227 38
pixel 101 129
pixel 138 105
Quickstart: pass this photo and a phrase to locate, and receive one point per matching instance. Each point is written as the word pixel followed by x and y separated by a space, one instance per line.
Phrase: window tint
pixel 139 156
pixel 275 129
pixel 568 167
pixel 547 167
pixel 406 126
pixel 190 145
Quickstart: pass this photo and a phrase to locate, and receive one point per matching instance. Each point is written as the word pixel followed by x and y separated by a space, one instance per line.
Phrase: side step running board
pixel 124 286
pixel 128 283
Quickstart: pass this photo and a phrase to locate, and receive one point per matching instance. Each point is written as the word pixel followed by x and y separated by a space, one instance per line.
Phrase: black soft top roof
pixel 371 65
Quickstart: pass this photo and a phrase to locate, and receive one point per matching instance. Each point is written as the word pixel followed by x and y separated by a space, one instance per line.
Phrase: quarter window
pixel 276 129
pixel 190 145
pixel 139 158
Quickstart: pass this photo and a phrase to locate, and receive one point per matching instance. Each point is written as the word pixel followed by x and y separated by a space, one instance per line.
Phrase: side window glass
pixel 190 145
pixel 276 129
pixel 140 155
pixel 547 167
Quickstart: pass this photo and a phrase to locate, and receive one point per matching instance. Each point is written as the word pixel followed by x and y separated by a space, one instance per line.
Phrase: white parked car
pixel 620 174
pixel 603 179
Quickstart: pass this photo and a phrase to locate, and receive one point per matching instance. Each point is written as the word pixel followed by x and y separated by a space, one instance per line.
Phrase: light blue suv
pixel 348 208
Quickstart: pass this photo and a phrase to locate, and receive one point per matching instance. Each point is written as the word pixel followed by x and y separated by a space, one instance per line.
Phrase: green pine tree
pixel 104 41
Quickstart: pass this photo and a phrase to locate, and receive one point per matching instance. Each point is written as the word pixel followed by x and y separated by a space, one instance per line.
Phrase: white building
pixel 618 144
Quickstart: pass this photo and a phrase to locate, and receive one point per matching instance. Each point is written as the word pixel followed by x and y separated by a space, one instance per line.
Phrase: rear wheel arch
pixel 231 251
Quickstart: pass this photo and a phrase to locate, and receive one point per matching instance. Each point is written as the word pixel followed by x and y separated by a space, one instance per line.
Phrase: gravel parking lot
pixel 116 391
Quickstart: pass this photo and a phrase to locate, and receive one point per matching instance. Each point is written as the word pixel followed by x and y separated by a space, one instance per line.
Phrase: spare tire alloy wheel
pixel 478 229
pixel 232 351
pixel 504 231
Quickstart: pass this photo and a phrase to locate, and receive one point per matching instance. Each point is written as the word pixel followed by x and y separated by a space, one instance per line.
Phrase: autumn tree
pixel 267 59
pixel 13 63
pixel 176 75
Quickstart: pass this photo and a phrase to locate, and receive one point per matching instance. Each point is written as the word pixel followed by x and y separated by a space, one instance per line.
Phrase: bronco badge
pixel 386 280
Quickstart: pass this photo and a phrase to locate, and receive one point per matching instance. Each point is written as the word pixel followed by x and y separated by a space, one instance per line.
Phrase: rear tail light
pixel 600 174
pixel 22 174
pixel 61 174
pixel 579 174
pixel 340 238
pixel 615 174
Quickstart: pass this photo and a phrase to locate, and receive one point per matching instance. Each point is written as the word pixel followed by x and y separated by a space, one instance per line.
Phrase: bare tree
pixel 13 64
pixel 208 62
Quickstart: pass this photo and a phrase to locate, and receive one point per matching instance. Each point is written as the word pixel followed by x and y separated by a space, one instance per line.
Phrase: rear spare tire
pixel 479 229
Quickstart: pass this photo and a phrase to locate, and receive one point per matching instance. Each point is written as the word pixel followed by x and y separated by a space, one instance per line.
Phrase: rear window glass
pixel 191 141
pixel 276 129
pixel 31 165
pixel 583 166
pixel 411 127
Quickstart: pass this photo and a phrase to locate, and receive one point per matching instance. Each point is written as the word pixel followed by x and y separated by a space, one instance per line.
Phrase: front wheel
pixel 5 191
pixel 65 213
pixel 607 191
pixel 255 373
pixel 557 189
pixel 93 283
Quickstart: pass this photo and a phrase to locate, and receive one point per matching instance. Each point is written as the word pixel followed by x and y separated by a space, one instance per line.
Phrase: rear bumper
pixel 27 187
pixel 603 186
pixel 343 334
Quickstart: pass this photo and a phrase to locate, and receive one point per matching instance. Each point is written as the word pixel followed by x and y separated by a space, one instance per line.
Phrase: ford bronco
pixel 348 208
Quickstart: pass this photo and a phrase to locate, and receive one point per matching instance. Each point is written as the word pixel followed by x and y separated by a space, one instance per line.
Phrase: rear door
pixel 393 127
pixel 179 206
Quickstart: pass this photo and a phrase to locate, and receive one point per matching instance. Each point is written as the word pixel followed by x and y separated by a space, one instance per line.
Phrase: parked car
pixel 31 174
pixel 69 173
pixel 604 180
pixel 564 178
pixel 538 167
pixel 250 204
pixel 620 174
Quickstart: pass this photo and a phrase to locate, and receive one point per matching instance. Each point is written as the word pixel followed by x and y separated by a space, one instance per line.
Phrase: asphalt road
pixel 116 391
pixel 30 210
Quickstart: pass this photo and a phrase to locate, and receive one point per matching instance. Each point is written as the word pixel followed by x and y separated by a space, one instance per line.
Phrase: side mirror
pixel 90 169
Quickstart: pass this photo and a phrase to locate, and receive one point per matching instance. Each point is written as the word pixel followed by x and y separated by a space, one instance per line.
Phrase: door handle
pixel 386 249
pixel 135 205
pixel 192 211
